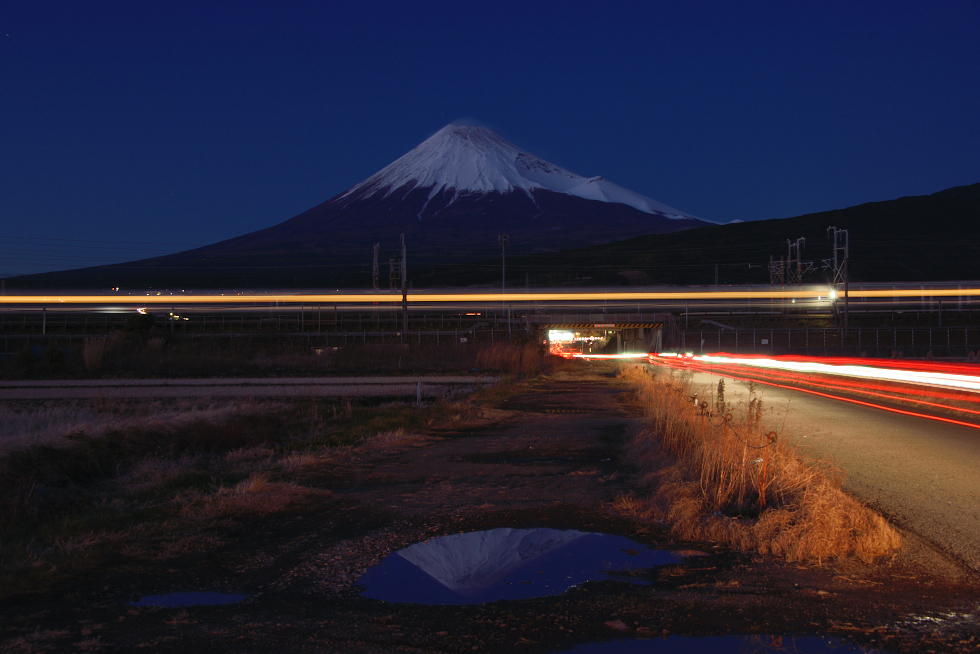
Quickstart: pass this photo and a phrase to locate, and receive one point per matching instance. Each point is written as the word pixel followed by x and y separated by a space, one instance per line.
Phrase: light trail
pixel 873 390
pixel 862 403
pixel 811 293
pixel 923 377
pixel 771 371
pixel 579 355
pixel 359 298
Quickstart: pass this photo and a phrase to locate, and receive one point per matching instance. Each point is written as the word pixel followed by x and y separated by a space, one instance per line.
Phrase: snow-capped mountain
pixel 451 196
pixel 459 160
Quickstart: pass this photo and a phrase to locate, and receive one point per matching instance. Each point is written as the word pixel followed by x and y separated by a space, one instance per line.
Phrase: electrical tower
pixel 841 254
pixel 777 272
pixel 393 271
pixel 796 267
pixel 374 268
pixel 789 270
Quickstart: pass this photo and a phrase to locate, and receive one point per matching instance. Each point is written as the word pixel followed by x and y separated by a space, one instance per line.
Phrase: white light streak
pixel 940 379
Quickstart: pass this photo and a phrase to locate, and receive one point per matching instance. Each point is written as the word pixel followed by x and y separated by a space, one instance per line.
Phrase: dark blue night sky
pixel 129 129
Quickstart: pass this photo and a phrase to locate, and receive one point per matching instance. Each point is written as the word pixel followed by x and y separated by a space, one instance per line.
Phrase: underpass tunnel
pixel 603 338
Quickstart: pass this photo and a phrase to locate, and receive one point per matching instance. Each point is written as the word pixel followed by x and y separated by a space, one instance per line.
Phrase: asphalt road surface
pixel 922 474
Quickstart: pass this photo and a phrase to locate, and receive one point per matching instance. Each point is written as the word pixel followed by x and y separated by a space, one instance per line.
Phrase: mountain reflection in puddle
pixel 726 645
pixel 485 566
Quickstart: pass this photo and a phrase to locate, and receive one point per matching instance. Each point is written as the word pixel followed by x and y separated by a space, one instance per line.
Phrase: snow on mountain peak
pixel 461 159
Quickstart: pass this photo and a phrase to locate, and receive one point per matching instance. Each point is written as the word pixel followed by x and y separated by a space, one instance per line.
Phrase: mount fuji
pixel 451 196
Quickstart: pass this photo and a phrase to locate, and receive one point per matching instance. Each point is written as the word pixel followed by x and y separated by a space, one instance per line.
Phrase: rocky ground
pixel 550 456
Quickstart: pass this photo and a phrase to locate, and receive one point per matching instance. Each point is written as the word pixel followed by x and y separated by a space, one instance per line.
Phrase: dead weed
pixel 253 496
pixel 718 478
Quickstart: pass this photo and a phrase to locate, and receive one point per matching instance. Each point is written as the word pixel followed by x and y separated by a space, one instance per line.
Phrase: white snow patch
pixel 468 159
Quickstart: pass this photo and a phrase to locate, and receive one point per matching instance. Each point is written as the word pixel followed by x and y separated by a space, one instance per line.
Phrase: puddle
pixel 189 599
pixel 727 644
pixel 486 566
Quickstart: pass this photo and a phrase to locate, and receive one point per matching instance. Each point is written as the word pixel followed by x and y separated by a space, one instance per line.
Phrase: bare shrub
pixel 717 478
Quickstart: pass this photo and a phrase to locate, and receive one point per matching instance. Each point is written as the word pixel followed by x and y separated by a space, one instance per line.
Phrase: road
pixel 922 474
pixel 408 385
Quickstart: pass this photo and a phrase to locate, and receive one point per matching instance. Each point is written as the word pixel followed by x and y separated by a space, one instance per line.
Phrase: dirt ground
pixel 550 458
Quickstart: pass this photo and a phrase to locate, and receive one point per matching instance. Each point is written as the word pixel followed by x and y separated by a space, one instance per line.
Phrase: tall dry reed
pixel 716 476
pixel 93 352
pixel 527 359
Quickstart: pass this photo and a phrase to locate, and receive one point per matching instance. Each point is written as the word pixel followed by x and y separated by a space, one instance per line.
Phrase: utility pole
pixel 374 268
pixel 502 239
pixel 404 271
pixel 841 254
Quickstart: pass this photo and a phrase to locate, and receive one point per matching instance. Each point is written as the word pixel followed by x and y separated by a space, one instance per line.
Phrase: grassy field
pixel 81 479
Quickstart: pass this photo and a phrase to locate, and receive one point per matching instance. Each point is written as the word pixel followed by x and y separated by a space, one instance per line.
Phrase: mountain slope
pixel 918 238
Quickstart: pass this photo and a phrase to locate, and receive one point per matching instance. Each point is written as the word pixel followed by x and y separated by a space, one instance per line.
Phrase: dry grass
pixel 154 481
pixel 93 352
pixel 722 478
pixel 59 423
pixel 151 473
pixel 522 360
pixel 157 479
pixel 253 496
pixel 394 438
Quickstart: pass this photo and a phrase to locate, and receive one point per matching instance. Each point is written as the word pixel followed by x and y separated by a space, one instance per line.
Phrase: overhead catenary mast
pixel 841 255
pixel 404 271
pixel 503 239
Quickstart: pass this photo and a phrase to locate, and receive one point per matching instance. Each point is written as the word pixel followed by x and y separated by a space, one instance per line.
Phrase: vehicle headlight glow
pixel 560 336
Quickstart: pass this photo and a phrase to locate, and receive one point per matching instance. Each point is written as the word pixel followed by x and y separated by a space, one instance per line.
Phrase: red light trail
pixel 800 372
